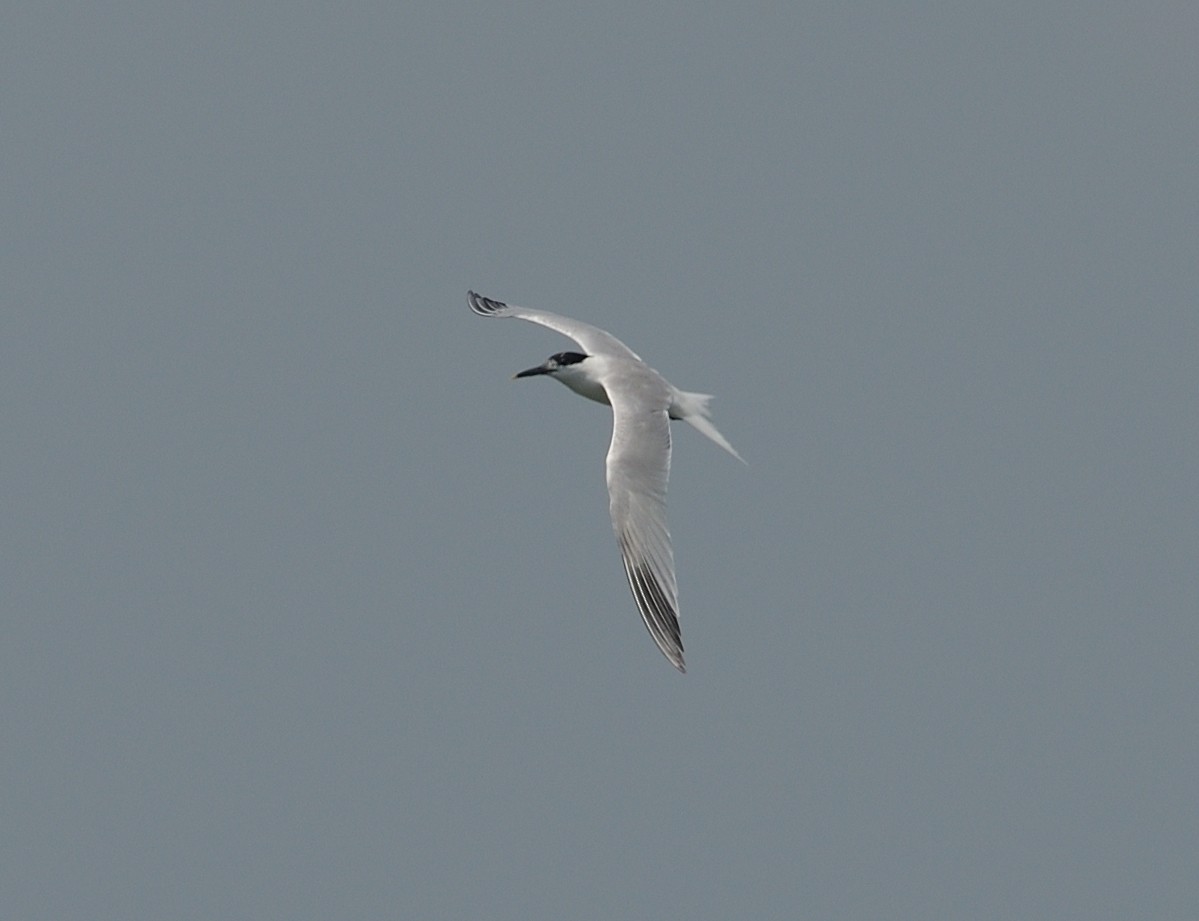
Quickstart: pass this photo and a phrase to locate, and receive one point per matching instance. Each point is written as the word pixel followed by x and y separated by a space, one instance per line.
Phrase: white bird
pixel 643 403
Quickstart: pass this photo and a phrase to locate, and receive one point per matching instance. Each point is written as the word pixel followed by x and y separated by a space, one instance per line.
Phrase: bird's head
pixel 562 363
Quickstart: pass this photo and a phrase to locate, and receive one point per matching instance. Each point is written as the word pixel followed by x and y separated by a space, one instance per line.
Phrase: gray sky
pixel 310 612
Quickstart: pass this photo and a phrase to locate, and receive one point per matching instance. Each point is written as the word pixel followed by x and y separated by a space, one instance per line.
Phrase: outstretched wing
pixel 593 340
pixel 638 469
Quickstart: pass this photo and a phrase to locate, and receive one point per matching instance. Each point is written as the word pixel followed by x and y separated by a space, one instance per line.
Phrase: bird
pixel 638 463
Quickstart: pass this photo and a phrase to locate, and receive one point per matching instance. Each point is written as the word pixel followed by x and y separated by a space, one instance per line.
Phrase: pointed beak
pixel 532 372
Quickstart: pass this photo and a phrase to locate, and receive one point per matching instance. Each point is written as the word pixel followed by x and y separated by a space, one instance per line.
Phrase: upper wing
pixel 638 470
pixel 593 340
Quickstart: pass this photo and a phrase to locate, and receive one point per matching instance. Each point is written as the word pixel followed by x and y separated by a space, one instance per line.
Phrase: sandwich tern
pixel 638 465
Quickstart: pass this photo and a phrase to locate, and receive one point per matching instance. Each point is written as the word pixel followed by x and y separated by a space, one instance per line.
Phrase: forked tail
pixel 693 409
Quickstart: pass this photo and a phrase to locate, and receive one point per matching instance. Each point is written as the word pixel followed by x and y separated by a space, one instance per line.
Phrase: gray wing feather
pixel 593 340
pixel 638 469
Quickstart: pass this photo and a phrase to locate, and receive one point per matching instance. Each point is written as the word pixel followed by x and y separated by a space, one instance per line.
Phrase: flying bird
pixel 638 466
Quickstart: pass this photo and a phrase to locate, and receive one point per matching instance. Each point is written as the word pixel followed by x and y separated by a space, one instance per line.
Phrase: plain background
pixel 310 612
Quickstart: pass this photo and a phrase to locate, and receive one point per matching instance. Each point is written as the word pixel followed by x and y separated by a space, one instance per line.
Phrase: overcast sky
pixel 310 612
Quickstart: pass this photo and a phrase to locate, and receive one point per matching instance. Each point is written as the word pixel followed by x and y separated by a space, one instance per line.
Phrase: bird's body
pixel 638 465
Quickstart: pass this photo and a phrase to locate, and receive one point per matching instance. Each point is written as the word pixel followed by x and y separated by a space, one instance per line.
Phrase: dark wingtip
pixel 484 306
pixel 657 612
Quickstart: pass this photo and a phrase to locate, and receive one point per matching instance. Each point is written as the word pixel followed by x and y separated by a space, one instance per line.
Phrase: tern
pixel 643 403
